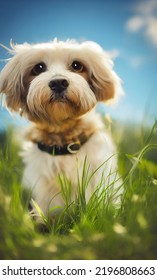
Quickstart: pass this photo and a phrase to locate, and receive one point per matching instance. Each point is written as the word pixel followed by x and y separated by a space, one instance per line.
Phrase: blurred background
pixel 127 29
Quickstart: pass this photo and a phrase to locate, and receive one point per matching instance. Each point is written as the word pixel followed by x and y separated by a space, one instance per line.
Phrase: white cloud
pixel 134 24
pixel 151 30
pixel 147 7
pixel 145 20
pixel 137 61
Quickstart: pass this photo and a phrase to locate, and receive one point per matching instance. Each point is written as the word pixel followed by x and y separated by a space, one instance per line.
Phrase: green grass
pixel 85 231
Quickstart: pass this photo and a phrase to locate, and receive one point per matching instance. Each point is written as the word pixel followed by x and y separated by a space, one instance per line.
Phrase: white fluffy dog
pixel 57 85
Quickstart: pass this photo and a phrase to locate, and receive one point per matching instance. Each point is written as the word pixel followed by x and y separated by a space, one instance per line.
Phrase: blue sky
pixel 126 28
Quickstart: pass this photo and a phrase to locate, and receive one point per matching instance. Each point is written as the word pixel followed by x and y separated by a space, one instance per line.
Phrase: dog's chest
pixel 42 170
pixel 40 165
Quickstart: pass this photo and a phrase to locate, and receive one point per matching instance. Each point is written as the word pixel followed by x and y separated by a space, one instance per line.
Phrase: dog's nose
pixel 58 85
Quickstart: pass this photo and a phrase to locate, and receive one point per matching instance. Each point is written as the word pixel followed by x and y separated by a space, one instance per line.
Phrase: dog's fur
pixel 64 116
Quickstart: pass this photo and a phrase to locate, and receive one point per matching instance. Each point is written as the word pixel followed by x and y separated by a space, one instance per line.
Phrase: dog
pixel 56 86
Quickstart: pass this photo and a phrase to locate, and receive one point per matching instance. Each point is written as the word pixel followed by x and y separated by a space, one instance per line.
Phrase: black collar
pixel 55 150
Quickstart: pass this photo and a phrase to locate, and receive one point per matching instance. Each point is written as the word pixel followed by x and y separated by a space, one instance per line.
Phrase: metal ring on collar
pixel 73 147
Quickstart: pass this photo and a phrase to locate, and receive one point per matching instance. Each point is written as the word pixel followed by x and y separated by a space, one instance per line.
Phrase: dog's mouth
pixel 61 98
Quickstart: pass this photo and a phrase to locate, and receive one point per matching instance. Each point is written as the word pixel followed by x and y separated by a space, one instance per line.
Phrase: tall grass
pixel 93 230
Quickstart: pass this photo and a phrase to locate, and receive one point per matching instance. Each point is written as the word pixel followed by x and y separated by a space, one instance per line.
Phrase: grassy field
pixel 85 231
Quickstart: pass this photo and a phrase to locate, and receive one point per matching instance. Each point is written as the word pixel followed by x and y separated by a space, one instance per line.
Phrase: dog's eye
pixel 38 69
pixel 77 66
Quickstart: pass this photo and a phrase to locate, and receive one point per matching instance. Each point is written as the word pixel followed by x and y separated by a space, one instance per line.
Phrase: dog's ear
pixel 11 77
pixel 11 83
pixel 105 82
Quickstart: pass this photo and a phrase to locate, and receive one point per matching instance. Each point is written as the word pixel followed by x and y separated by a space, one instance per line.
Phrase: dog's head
pixel 58 80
